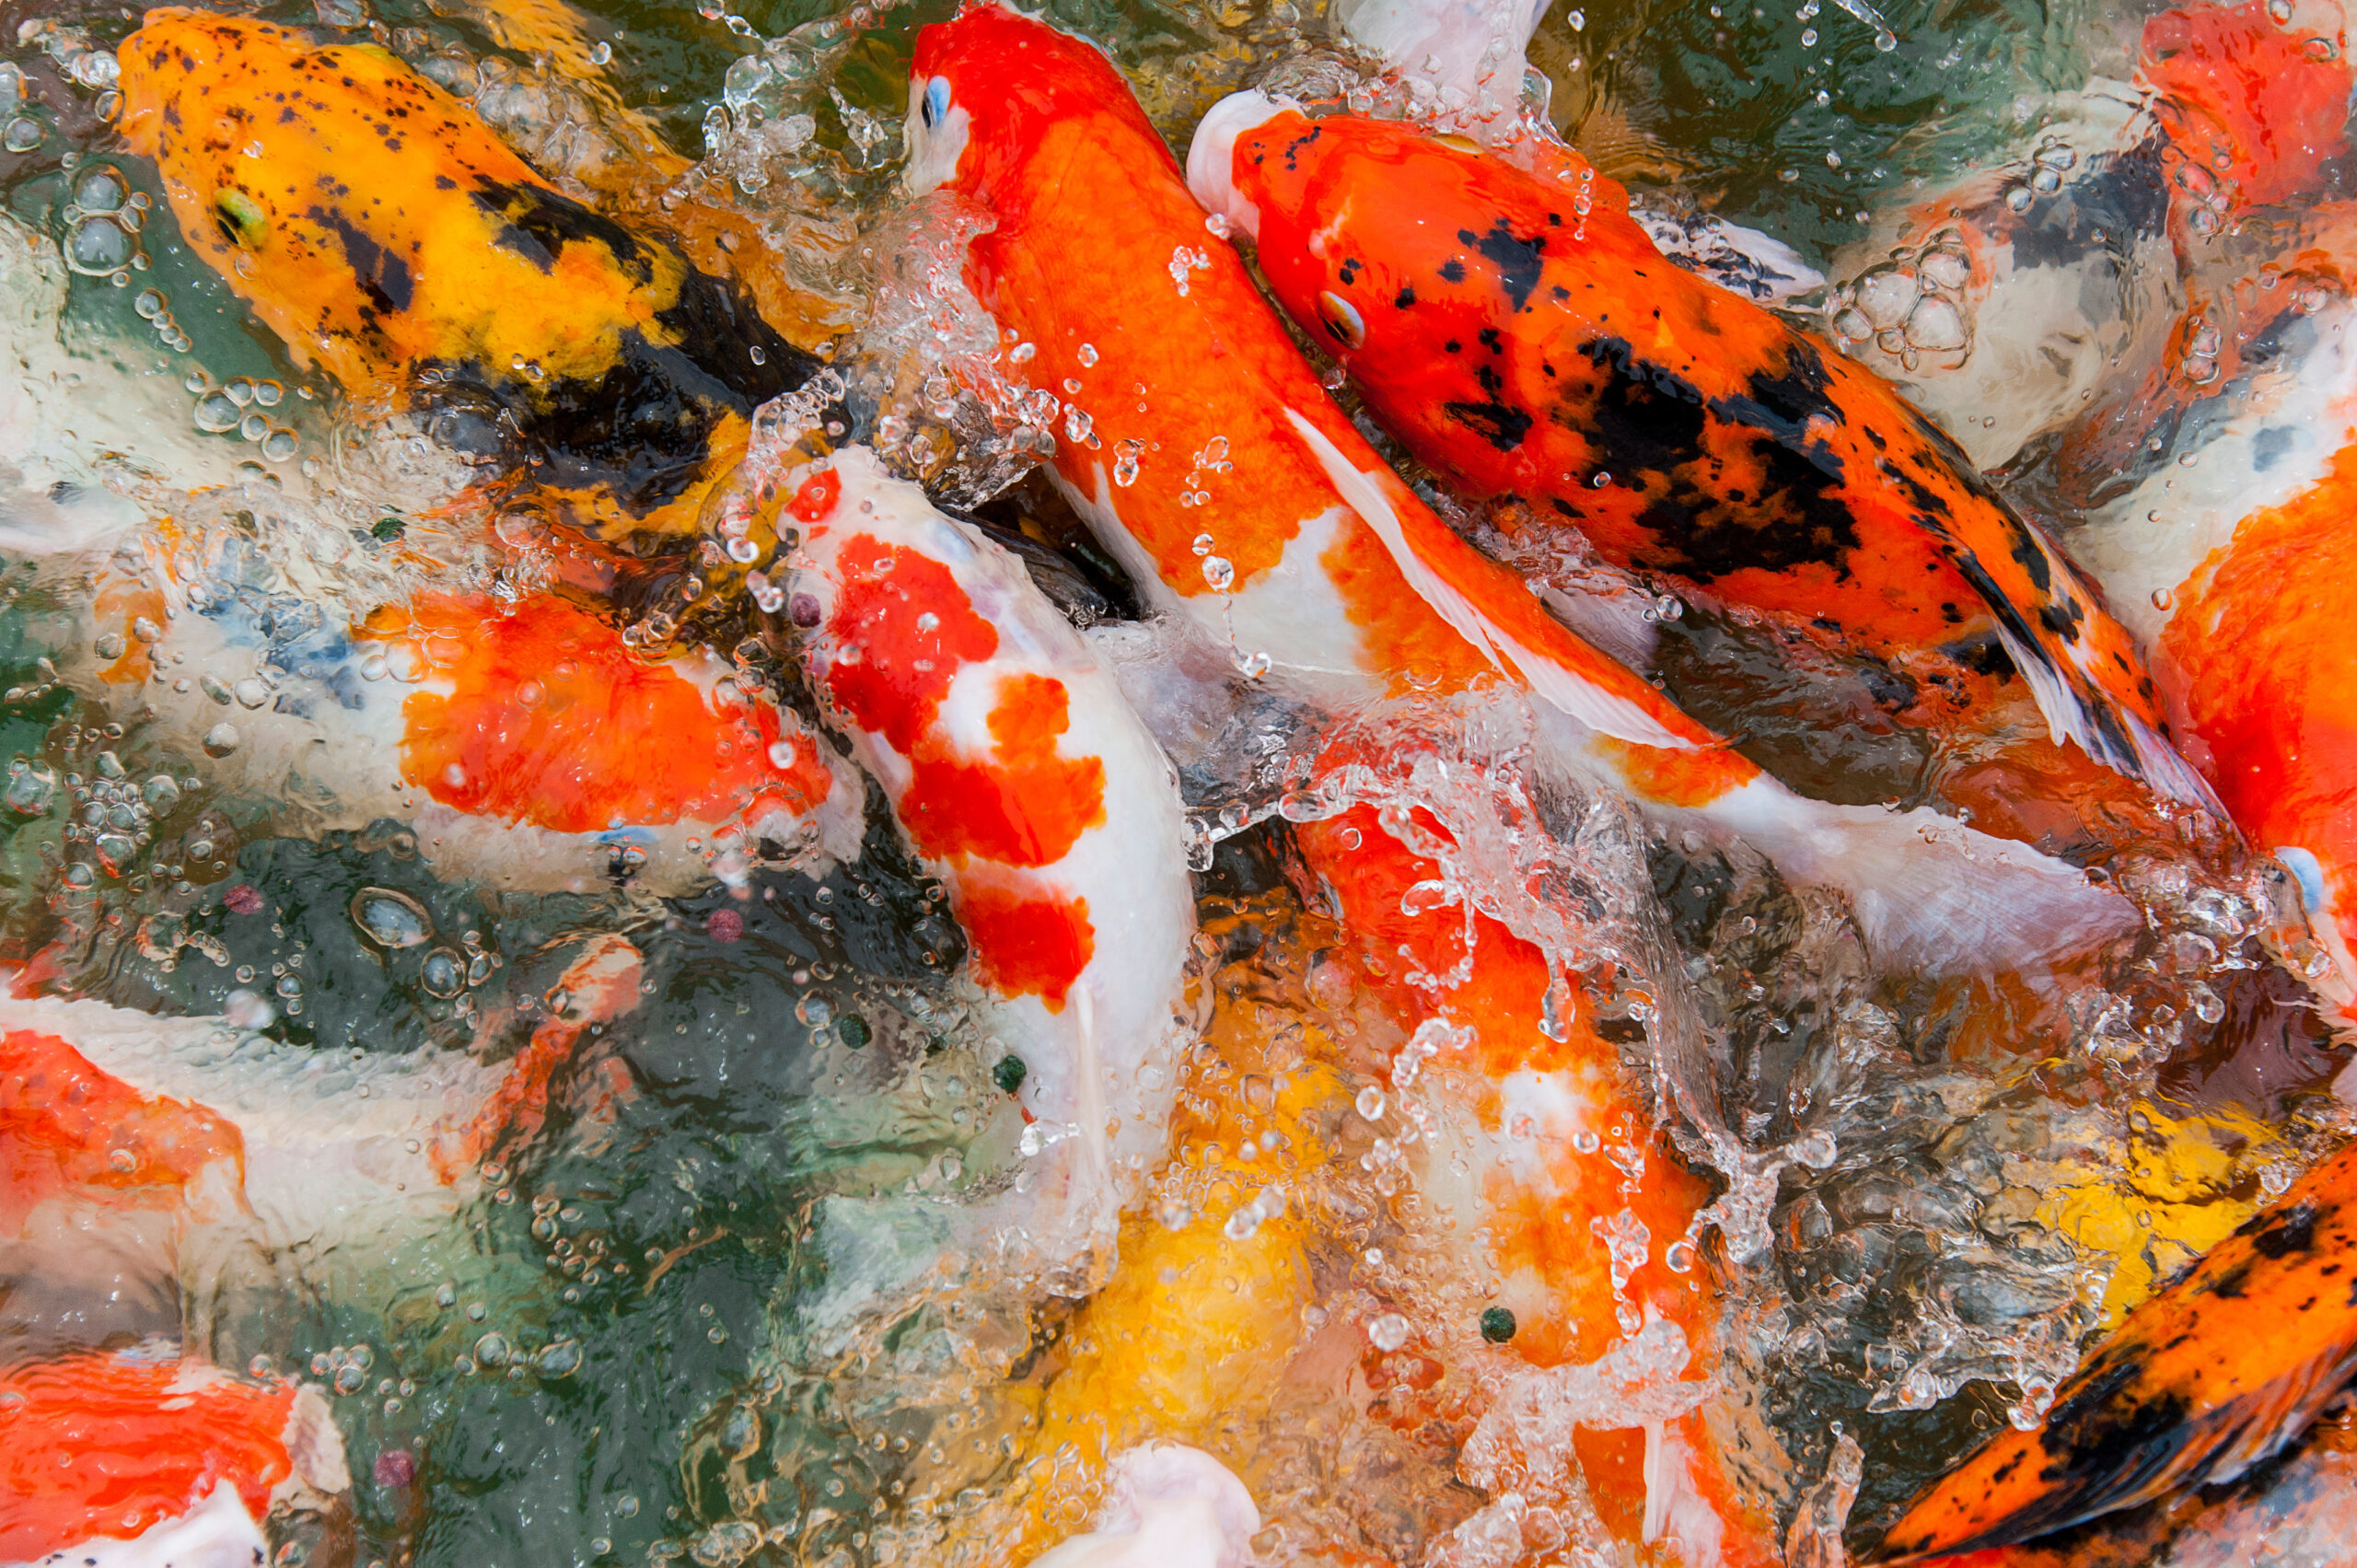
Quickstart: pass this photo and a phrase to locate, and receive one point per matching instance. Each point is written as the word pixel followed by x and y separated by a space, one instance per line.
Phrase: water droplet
pixel 390 919
pixel 1370 1103
pixel 1218 573
pixel 442 975
pixel 22 135
pixel 220 740
pixel 1387 1333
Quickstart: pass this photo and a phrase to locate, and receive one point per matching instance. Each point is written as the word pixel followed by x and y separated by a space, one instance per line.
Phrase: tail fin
pixel 2198 1384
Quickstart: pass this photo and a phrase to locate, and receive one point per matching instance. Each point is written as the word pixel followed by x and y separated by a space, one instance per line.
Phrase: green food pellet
pixel 387 529
pixel 1497 1325
pixel 1009 1073
pixel 856 1031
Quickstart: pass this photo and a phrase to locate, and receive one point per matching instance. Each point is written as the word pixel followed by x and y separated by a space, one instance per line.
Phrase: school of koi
pixel 1376 854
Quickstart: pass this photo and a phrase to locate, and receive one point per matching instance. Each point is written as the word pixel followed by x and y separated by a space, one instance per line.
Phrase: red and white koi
pixel 141 1458
pixel 1022 779
pixel 1209 462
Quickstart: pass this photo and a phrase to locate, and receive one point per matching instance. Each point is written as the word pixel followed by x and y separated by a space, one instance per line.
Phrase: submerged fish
pixel 392 240
pixel 1526 348
pixel 106 1112
pixel 512 734
pixel 1210 463
pixel 141 1458
pixel 1022 779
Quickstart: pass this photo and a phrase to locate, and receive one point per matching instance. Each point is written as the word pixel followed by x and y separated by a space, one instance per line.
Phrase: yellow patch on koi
pixel 394 241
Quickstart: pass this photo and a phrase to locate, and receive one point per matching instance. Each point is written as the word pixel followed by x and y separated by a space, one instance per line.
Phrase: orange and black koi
pixel 392 240
pixel 1525 348
pixel 2206 1379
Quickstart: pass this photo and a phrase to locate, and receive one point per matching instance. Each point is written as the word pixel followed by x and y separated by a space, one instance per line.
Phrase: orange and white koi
pixel 1244 499
pixel 512 736
pixel 141 1458
pixel 392 240
pixel 1545 1173
pixel 1525 349
pixel 209 1126
pixel 1022 779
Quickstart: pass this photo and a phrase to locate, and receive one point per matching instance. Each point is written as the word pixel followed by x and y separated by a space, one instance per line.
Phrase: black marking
pixel 1517 260
pixel 383 276
pixel 1500 425
pixel 1452 271
pixel 1406 297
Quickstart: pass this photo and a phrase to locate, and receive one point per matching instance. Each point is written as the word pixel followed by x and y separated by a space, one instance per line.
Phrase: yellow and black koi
pixel 382 229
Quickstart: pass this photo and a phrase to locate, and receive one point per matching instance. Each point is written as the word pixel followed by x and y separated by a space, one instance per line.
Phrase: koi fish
pixel 394 242
pixel 1573 1204
pixel 2232 559
pixel 1021 778
pixel 2011 302
pixel 201 1121
pixel 142 1458
pixel 2211 1377
pixel 1525 349
pixel 1244 500
pixel 511 735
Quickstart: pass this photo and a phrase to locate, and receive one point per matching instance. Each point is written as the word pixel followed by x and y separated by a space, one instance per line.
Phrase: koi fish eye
pixel 1341 319
pixel 240 218
pixel 935 133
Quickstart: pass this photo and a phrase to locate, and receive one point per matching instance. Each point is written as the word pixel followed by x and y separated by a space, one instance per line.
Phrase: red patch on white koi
pixel 1025 807
pixel 891 669
pixel 148 1441
pixel 1026 944
pixel 65 1124
pixel 552 717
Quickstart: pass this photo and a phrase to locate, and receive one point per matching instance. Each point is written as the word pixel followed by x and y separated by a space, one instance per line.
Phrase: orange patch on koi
pixel 1025 807
pixel 549 719
pixel 904 628
pixel 67 1125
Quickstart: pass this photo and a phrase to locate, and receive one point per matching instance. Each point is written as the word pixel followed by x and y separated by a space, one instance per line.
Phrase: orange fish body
pixel 1524 348
pixel 137 1456
pixel 1203 452
pixel 2200 1382
pixel 1581 1209
pixel 392 240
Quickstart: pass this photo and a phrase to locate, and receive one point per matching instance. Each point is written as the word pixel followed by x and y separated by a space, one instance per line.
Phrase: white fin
pixel 216 1533
pixel 1929 893
pixel 2148 756
pixel 1560 688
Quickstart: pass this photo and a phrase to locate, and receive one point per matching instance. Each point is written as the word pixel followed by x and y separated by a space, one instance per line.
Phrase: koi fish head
pixel 1307 191
pixel 985 88
pixel 384 231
